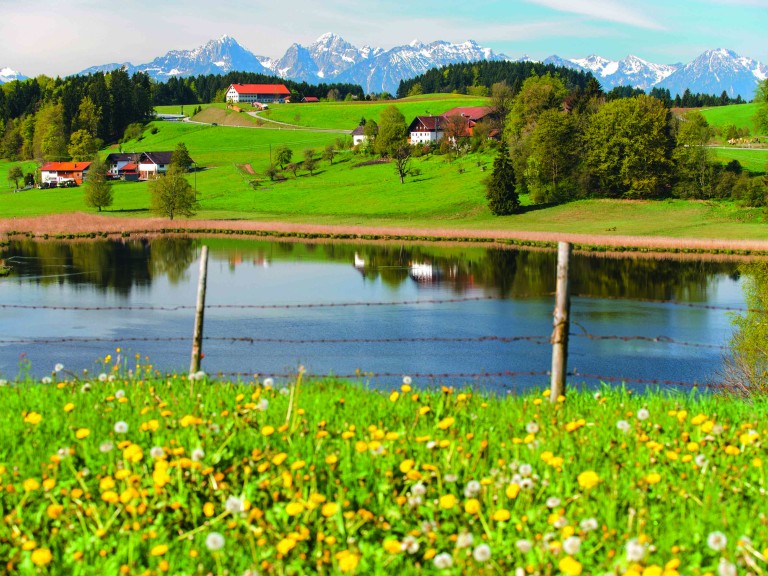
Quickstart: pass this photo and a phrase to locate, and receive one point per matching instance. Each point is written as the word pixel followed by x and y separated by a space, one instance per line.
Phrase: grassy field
pixel 347 115
pixel 125 473
pixel 754 160
pixel 740 115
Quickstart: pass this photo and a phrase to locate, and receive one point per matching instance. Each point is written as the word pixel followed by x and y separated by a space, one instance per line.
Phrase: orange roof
pixel 65 166
pixel 471 112
pixel 261 89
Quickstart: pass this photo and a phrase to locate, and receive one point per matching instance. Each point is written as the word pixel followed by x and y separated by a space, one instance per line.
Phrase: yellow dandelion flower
pixel 295 508
pixel 394 396
pixel 347 561
pixel 68 407
pixel 110 497
pixel 569 566
pixel 33 418
pixel 732 450
pixel 653 478
pixel 698 419
pixel 54 511
pixel 406 466
pixel 405 388
pixel 446 423
pixel 267 430
pixel 424 410
pixel 757 463
pixel 82 433
pixel 329 509
pixel 106 483
pixel 502 515
pixel 513 490
pixel 588 479
pixel 331 459
pixel 286 545
pixel 653 570
pixel 30 485
pixel 447 501
pixel 472 506
pixel 392 546
pixel 159 550
pixel 298 465
pixel 361 446
pixel 278 459
pixel 48 484
pixel 41 557
pixel 29 545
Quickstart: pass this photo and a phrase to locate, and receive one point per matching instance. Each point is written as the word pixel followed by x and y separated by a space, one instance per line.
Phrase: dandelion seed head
pixel 234 505
pixel 726 568
pixel 472 489
pixel 102 377
pixel 464 540
pixel 524 546
pixel 532 427
pixel 525 470
pixel 262 405
pixel 410 545
pixel 121 427
pixel 198 454
pixel 588 525
pixel 482 553
pixel 553 502
pixel 46 380
pixel 269 382
pixel 443 561
pixel 643 414
pixel 106 447
pixel 85 387
pixel 450 478
pixel 571 545
pixel 59 367
pixel 418 489
pixel 635 551
pixel 624 426
pixel 120 394
pixel 157 452
pixel 214 541
pixel 717 541
pixel 407 380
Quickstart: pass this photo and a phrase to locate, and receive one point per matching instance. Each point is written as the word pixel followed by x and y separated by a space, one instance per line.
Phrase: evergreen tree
pixel 98 189
pixel 181 157
pixel 500 187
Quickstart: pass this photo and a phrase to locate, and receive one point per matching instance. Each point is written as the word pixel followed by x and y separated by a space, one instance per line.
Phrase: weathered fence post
pixel 197 338
pixel 561 323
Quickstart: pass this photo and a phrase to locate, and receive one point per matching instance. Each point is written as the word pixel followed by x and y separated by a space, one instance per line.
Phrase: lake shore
pixel 80 224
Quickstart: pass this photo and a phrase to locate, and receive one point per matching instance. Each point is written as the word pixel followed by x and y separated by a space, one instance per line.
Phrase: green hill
pixel 739 115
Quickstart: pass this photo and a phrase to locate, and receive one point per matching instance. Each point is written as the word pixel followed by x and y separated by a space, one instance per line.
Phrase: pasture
pixel 131 470
pixel 739 115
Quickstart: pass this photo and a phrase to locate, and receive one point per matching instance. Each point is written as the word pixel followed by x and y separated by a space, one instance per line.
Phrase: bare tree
pixel 401 156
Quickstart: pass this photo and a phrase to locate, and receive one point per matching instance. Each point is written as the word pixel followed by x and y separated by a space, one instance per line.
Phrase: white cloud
pixel 610 10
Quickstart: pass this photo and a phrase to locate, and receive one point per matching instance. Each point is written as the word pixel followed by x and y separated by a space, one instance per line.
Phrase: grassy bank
pixel 171 475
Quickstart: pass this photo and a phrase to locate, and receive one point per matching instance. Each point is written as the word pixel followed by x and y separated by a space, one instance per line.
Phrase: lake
pixel 449 315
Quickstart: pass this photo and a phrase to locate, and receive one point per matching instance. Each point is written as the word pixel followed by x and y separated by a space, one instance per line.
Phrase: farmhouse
pixel 358 135
pixel 59 171
pixel 310 99
pixel 117 163
pixel 426 129
pixel 472 114
pixel 152 164
pixel 262 93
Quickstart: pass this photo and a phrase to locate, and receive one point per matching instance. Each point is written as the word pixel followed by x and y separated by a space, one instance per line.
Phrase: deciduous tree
pixel 283 155
pixel 392 131
pixel 181 157
pixel 172 195
pixel 98 189
pixel 401 157
pixel 82 145
pixel 15 174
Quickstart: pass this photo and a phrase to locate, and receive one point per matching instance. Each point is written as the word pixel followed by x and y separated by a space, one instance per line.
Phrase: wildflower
pixel 472 489
pixel 525 470
pixel 347 561
pixel 588 479
pixel 407 380
pixel 653 478
pixel 532 427
pixel 701 460
pixel 234 505
pixel 501 515
pixel 120 394
pixel 392 546
pixel 262 405
pixel 512 490
pixel 105 447
pixel 571 545
pixel 472 506
pixel 268 382
pixel 214 541
pixel 41 557
pixel 526 484
pixel 464 540
pixel 102 377
pixel 157 452
pixel 443 561
pixel 418 489
pixel 524 546
pixel 450 478
pixel 553 502
pixel 410 545
pixel 3 382
pixel 447 502
pixel 82 433
pixel 624 426
pixel 329 509
pixel 588 524
pixel 569 566
pixel 294 508
pixel 482 553
pixel 200 375
pixel 46 380
pixel 159 550
pixel 446 422
pixel 744 542
pixel 717 541
pixel 30 485
pixel 635 550
pixel 121 427
pixel 284 391
pixel 59 367
pixel 33 418
pixel 725 568
pixel 198 454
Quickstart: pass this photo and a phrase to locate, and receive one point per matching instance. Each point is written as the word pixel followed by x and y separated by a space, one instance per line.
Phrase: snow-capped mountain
pixel 330 58
pixel 9 74
pixel 715 71
pixel 216 57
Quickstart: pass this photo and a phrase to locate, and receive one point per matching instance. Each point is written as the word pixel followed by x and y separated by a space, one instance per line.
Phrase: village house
pixel 261 93
pixel 122 165
pixel 152 164
pixel 358 135
pixel 426 129
pixel 64 171
pixel 310 99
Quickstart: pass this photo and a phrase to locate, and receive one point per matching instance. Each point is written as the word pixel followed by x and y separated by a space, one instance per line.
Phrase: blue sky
pixel 60 37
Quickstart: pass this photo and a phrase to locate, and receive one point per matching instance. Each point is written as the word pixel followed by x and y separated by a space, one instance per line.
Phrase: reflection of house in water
pixel 425 273
pixel 359 262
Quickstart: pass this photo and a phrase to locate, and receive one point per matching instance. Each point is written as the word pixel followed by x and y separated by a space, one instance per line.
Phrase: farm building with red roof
pixel 262 93
pixel 58 171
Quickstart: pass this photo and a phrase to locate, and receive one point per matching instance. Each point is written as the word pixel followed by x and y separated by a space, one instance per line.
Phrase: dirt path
pixel 83 223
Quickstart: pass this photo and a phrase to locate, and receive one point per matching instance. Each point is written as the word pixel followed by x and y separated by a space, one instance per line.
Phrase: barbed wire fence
pixel 580 332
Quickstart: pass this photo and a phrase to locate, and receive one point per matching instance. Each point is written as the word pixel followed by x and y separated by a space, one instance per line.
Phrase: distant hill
pixel 9 74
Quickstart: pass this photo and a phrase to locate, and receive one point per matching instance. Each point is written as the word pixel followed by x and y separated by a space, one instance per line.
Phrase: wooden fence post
pixel 197 338
pixel 561 323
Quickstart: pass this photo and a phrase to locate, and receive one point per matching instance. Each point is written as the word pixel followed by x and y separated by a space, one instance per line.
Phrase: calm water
pixel 498 293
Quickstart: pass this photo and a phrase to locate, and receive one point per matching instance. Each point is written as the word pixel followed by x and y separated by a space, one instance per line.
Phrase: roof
pixel 130 167
pixel 120 157
pixel 471 112
pixel 430 123
pixel 158 157
pixel 65 166
pixel 359 131
pixel 310 99
pixel 261 89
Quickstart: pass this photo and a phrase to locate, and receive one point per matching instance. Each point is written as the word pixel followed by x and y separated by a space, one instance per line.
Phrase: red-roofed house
pixel 263 93
pixel 58 171
pixel 310 99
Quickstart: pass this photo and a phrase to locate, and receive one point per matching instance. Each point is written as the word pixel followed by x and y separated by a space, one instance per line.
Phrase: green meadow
pixel 140 472
pixel 739 115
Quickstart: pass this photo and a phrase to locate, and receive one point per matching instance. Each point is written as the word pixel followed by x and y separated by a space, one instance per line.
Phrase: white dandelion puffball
pixel 482 553
pixel 214 541
pixel 121 427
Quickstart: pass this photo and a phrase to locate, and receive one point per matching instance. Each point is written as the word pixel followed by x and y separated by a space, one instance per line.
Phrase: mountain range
pixel 332 59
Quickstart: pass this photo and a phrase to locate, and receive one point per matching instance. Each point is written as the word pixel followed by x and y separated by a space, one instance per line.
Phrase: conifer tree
pixel 98 189
pixel 500 187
